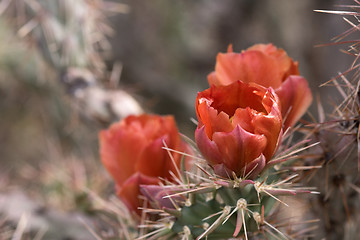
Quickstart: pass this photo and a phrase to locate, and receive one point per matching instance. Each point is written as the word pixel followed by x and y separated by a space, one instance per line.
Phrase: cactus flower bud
pixel 268 66
pixel 240 126
pixel 132 152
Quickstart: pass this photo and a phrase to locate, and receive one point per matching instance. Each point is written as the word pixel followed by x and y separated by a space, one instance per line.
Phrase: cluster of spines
pixel 338 155
pixel 214 207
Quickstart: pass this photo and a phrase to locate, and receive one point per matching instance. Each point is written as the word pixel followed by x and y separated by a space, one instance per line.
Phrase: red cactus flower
pixel 240 126
pixel 132 152
pixel 268 66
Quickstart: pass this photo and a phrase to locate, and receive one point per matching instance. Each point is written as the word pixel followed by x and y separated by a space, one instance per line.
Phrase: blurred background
pixel 158 51
pixel 167 48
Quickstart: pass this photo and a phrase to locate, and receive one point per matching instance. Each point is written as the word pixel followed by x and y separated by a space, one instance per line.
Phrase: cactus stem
pixel 192 198
pixel 237 182
pixel 212 215
pixel 240 204
pixel 275 229
pixel 173 212
pixel 224 213
pixel 261 187
pixel 188 203
pixel 258 219
pixel 240 220
pixel 205 225
pixel 210 196
pixel 201 189
pixel 241 207
pixel 187 233
pixel 163 229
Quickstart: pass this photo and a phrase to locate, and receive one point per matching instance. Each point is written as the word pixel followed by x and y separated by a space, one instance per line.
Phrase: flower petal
pixel 255 120
pixel 208 148
pixel 117 145
pixel 248 66
pixel 271 127
pixel 130 190
pixel 295 97
pixel 244 118
pixel 132 151
pixel 255 167
pixel 268 124
pixel 154 160
pixel 216 104
pixel 239 147
pixel 285 64
pixel 268 66
pixel 211 118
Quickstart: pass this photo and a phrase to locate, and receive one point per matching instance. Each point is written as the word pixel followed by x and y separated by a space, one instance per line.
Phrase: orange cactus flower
pixel 240 126
pixel 268 66
pixel 131 150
